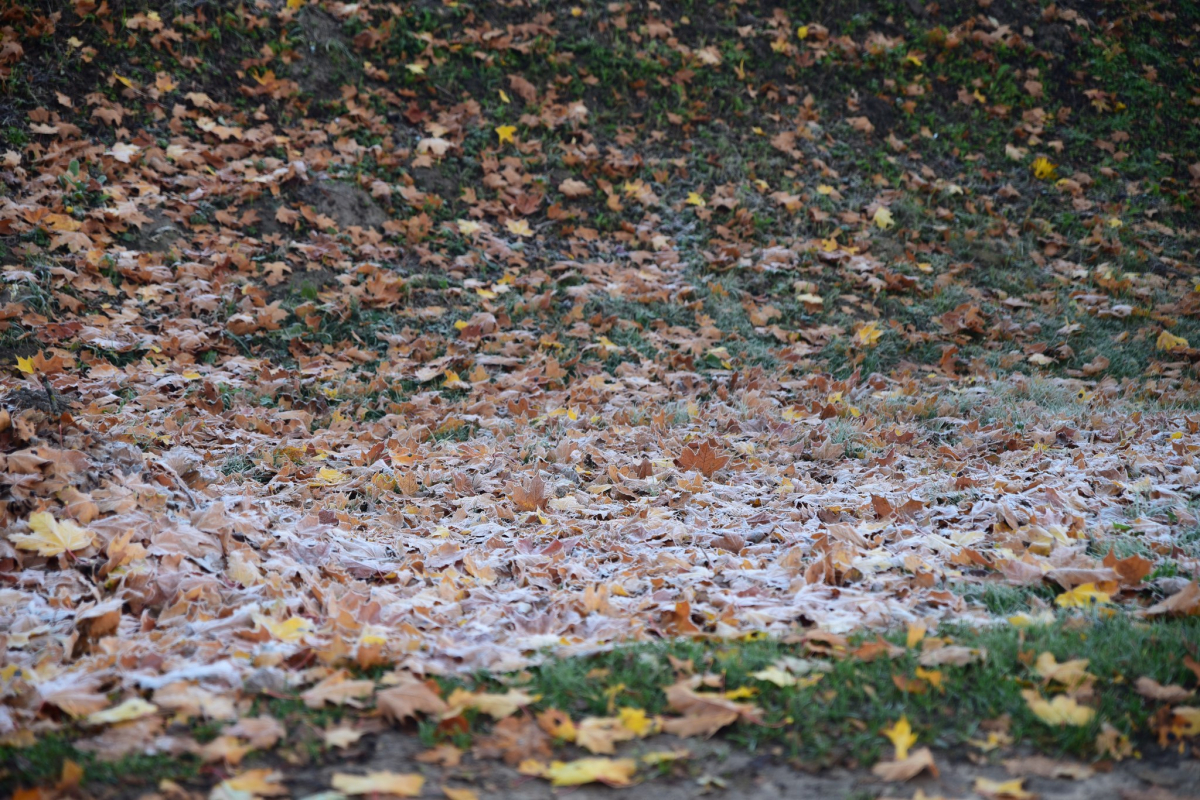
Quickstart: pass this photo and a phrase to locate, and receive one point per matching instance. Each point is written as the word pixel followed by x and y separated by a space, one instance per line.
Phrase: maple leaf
pixel 1062 710
pixel 531 494
pixel 497 706
pixel 518 227
pixel 1043 170
pixel 557 724
pixel 611 771
pixel 336 689
pixel 883 218
pixel 574 189
pixel 52 537
pixel 25 364
pixel 868 335
pixel 252 783
pixel 505 132
pixel 901 735
pixel 292 629
pixel 408 699
pixel 1085 595
pixel 702 457
pixel 1168 341
pixel 907 768
pixel 1068 673
pixel 694 199
pixel 378 782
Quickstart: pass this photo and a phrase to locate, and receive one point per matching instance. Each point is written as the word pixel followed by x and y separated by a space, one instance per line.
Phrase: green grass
pixel 836 721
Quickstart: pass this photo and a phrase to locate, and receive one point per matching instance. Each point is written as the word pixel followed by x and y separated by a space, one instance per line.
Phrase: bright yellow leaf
pixel 802 32
pixel 133 708
pixel 331 475
pixel 1168 341
pixel 1083 596
pixel 505 132
pixel 292 629
pixel 636 720
pixel 504 97
pixel 916 632
pixel 883 218
pixel 694 199
pixel 868 335
pixel 52 537
pixel 1043 169
pixel 1003 790
pixel 415 69
pixel 901 736
pixel 25 364
pixel 613 771
pixel 1062 710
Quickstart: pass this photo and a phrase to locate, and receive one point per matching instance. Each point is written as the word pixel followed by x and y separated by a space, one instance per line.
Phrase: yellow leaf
pixel 133 708
pixel 505 132
pixel 497 706
pixel 802 32
pixel 295 4
pixel 459 794
pixel 51 537
pixel 613 771
pixel 415 69
pixel 1006 790
pixel 1187 721
pixel 504 97
pixel 383 782
pixel 1083 596
pixel 123 80
pixel 191 375
pixel 775 675
pixel 868 335
pixel 916 632
pixel 252 783
pixel 25 364
pixel 331 475
pixel 933 676
pixel 635 719
pixel 1043 169
pixel 883 218
pixel 1068 673
pixel 467 227
pixel 292 629
pixel 901 736
pixel 1062 710
pixel 1166 341
pixel 825 189
pixel 740 693
pixel 694 199
pixel 518 227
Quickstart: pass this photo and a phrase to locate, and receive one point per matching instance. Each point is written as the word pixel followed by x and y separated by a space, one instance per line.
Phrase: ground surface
pixel 519 381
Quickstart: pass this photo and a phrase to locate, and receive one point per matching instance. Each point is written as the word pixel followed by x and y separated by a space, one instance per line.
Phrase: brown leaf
pixel 702 457
pixel 514 739
pixel 1148 687
pixel 907 769
pixel 1183 602
pixel 408 699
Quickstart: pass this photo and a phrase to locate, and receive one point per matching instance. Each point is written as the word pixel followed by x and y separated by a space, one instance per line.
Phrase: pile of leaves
pixel 343 339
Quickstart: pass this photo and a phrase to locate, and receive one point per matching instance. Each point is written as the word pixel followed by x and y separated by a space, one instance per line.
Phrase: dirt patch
pixel 720 767
pixel 297 283
pixel 345 203
pixel 158 235
pixel 327 55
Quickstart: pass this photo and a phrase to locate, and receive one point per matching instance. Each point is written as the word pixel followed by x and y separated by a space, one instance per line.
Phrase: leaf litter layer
pixel 315 364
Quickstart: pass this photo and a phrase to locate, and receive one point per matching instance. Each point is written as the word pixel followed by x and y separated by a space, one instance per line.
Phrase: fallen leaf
pixel 378 782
